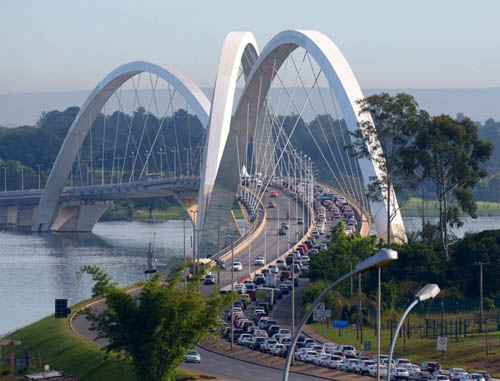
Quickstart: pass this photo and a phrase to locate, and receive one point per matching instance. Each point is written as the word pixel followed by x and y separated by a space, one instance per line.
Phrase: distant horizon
pixel 480 104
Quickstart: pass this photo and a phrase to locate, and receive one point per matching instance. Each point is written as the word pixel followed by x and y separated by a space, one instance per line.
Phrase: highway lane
pixel 269 244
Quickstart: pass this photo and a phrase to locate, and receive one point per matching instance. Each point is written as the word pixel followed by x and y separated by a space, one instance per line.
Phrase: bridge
pixel 282 116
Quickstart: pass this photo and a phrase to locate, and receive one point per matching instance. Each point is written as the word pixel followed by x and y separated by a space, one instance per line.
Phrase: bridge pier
pixel 79 216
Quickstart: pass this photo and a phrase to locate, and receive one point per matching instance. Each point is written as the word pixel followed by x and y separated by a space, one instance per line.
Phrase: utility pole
pixel 232 291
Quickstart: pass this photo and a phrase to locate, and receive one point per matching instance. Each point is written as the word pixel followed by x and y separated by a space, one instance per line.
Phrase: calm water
pixel 35 269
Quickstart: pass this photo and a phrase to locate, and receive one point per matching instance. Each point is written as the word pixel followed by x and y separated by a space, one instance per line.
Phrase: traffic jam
pixel 250 323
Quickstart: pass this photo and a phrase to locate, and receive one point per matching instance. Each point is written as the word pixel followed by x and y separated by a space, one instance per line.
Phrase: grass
pixel 50 341
pixel 413 208
pixel 468 352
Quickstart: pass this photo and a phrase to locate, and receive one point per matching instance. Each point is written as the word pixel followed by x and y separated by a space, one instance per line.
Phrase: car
pixel 334 361
pixel 278 349
pixel 258 342
pixel 268 344
pixel 237 266
pixel 244 338
pixel 239 288
pixel 282 231
pixel 284 225
pixel 441 377
pixel 259 280
pixel 364 367
pixel 457 373
pixel 273 329
pixel 400 373
pixel 402 362
pixel 274 194
pixel 260 333
pixel 431 367
pixel 309 356
pixel 192 357
pixel 477 377
pixel 372 370
pixel 284 289
pixel 348 350
pixel 289 284
pixel 281 264
pixel 209 279
pixel 271 205
pixel 352 365
pixel 300 221
pixel 259 261
pixel 274 269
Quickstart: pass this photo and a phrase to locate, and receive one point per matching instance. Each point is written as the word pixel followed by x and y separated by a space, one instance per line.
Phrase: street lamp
pixel 429 291
pixel 382 258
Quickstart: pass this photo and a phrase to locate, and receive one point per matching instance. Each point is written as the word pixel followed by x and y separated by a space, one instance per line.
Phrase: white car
pixel 334 362
pixel 244 339
pixel 372 370
pixel 457 373
pixel 192 357
pixel 259 261
pixel 309 356
pixel 400 372
pixel 364 367
pixel 351 365
pixel 237 266
pixel 278 349
pixel 348 350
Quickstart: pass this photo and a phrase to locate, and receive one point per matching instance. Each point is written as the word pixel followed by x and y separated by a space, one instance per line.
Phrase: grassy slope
pixel 468 353
pixel 51 341
pixel 412 208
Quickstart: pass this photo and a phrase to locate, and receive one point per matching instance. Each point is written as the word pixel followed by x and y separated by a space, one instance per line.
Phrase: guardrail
pixel 244 241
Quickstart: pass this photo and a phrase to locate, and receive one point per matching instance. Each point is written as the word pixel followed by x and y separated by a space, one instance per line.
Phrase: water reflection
pixel 35 269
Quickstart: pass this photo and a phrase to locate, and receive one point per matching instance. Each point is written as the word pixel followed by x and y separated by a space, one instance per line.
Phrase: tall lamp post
pixel 429 291
pixel 383 257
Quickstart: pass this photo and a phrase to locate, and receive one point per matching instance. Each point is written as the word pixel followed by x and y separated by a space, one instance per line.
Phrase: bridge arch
pixel 239 50
pixel 340 79
pixel 83 122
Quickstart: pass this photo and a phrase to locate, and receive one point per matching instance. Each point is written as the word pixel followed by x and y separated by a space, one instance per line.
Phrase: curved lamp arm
pixel 396 334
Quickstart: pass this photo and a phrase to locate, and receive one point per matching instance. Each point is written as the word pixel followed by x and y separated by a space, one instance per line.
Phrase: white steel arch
pixel 239 50
pixel 341 80
pixel 75 137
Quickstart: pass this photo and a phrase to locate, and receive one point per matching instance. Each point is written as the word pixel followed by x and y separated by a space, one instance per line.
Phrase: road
pixel 269 244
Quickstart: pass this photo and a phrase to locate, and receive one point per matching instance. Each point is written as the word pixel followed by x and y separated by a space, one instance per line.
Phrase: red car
pixel 274 194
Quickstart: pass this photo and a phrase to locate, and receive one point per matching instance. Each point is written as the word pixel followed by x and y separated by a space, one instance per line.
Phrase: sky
pixel 61 45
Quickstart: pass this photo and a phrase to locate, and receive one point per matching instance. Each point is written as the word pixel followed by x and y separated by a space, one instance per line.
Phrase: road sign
pixel 340 324
pixel 442 343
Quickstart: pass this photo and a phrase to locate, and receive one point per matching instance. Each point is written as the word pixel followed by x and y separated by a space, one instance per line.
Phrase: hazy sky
pixel 57 45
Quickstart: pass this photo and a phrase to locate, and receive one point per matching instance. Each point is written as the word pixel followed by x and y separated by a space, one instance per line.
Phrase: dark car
pixel 275 328
pixel 284 289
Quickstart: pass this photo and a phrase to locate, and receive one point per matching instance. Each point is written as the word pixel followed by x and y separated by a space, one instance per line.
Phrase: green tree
pixel 385 139
pixel 343 252
pixel 453 158
pixel 100 277
pixel 157 327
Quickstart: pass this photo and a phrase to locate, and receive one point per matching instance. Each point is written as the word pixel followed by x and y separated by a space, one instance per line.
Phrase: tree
pixel 453 158
pixel 157 327
pixel 343 252
pixel 100 277
pixel 396 119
